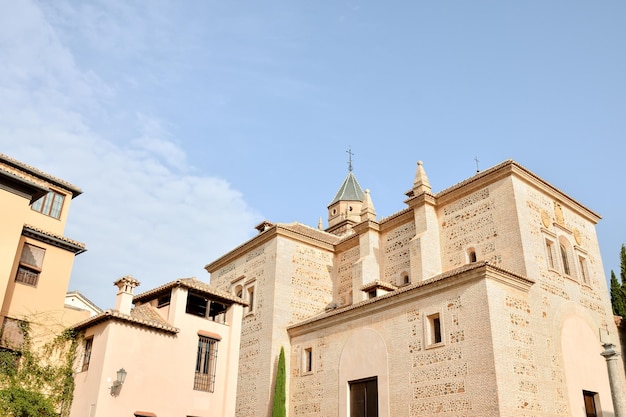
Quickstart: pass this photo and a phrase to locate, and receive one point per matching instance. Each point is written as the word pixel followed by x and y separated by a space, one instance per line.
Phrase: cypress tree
pixel 618 298
pixel 622 275
pixel 280 395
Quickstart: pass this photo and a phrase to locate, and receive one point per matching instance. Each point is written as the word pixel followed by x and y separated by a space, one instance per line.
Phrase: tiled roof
pixel 29 173
pixel 53 239
pixel 309 231
pixel 191 283
pixel 144 315
pixel 350 190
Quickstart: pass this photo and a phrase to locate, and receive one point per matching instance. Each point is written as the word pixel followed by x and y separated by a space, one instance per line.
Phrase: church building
pixel 485 299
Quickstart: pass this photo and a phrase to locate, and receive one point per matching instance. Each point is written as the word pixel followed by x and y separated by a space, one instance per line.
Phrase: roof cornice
pixel 512 168
pixel 286 230
pixel 411 293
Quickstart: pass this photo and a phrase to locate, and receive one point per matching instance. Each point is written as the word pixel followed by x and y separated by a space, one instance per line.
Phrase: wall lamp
pixel 116 387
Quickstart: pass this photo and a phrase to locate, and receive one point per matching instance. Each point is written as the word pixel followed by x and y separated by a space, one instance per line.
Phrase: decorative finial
pixel 349 151
pixel 477 161
pixel 367 210
pixel 420 183
pixel 320 225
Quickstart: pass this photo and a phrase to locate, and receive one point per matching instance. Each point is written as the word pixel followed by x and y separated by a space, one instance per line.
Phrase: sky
pixel 187 123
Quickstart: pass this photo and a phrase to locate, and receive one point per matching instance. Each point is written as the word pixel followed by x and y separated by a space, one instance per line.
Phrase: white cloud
pixel 143 212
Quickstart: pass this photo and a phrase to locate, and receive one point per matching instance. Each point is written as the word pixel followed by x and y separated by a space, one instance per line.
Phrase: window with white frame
pixel 50 204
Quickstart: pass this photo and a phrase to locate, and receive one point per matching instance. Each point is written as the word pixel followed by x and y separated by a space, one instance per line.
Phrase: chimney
pixel 124 300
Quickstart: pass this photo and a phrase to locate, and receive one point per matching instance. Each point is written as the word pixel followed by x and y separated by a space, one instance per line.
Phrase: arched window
pixel 239 291
pixel 471 255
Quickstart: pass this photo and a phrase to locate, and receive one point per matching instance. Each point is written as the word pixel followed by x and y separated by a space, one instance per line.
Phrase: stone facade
pixel 485 299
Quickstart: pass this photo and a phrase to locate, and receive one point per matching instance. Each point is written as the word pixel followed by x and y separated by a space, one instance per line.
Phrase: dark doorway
pixel 364 397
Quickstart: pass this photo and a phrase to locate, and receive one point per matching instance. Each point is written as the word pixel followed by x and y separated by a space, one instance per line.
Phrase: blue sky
pixel 186 123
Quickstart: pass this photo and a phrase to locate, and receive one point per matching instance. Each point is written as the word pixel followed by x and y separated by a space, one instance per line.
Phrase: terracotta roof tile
pixel 143 317
pixel 192 283
pixel 311 232
pixel 35 175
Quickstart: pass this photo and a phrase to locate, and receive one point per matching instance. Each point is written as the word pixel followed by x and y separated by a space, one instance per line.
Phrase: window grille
pixel 206 361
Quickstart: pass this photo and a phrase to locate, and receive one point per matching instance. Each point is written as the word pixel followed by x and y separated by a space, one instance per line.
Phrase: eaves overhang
pixel 30 170
pixel 21 186
pixel 52 239
pixel 190 283
pixel 114 315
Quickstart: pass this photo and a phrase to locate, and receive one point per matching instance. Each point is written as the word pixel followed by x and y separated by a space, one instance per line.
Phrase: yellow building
pixel 485 299
pixel 35 257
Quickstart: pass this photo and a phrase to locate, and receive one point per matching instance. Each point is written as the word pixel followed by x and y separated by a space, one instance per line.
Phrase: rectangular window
pixel 250 299
pixel 197 304
pixel 31 262
pixel 434 329
pixel 591 403
pixel 364 398
pixel 164 300
pixel 87 353
pixel 307 360
pixel 50 204
pixel 217 312
pixel 12 333
pixel 582 263
pixel 205 364
pixel 550 254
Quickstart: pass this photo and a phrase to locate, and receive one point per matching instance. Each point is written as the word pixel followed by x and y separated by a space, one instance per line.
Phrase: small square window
pixel 164 300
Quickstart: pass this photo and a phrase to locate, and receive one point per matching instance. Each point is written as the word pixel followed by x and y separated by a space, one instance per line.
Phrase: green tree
pixel 19 402
pixel 38 381
pixel 618 298
pixel 280 394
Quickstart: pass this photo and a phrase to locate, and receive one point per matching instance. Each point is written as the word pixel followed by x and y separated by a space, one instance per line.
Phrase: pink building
pixel 176 353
